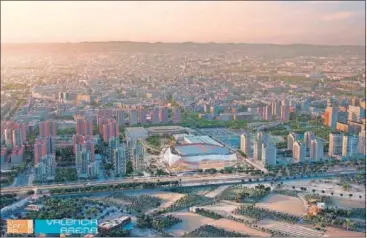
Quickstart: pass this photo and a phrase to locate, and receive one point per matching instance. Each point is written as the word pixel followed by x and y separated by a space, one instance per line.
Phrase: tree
pixel 347 223
pixel 129 167
pixel 345 186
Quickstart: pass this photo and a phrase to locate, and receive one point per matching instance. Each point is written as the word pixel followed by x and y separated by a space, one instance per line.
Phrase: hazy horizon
pixel 161 42
pixel 280 23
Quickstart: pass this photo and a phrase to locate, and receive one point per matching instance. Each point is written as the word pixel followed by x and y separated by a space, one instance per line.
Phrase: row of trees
pixel 208 213
pixel 66 174
pixel 114 187
pixel 324 219
pixel 114 233
pixel 66 131
pixel 229 170
pixel 349 213
pixel 140 203
pixel 7 199
pixel 193 120
pixel 154 141
pixel 359 179
pixel 309 168
pixel 260 213
pixel 157 222
pixel 58 208
pixel 239 194
pixel 7 178
pixel 187 190
pixel 187 201
pixel 212 231
pixel 65 157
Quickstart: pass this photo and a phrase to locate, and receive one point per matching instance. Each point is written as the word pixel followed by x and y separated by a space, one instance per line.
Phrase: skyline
pixel 331 23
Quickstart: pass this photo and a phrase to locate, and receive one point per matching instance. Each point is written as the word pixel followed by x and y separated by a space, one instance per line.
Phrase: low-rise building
pixel 115 223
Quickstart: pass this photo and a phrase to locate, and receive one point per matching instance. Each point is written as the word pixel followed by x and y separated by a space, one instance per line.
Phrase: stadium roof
pixel 201 149
pixel 136 132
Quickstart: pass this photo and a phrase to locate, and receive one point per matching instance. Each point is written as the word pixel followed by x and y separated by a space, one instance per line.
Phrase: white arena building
pixel 198 152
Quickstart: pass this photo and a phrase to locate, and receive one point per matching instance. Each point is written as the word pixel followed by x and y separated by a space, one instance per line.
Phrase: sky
pixel 276 22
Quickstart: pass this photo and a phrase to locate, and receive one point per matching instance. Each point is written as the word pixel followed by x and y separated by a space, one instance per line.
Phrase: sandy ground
pixel 230 225
pixel 336 232
pixel 190 222
pixel 217 191
pixel 167 197
pixel 348 203
pixel 225 209
pixel 282 203
pixel 221 208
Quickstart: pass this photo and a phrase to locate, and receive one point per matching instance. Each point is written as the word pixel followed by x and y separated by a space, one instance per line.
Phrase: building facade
pixel 335 144
pixel 246 145
pixel 316 150
pixel 299 151
pixel 350 146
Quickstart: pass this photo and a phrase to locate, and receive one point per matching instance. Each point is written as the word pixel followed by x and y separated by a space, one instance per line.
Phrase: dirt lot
pixel 190 221
pixel 336 232
pixel 168 197
pixel 221 208
pixel 230 225
pixel 282 203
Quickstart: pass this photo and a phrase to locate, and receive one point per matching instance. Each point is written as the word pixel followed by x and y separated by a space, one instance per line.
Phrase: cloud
pixel 338 16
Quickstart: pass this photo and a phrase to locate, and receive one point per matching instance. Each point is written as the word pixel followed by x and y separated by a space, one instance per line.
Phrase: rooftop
pixel 201 149
pixel 192 139
pixel 165 128
pixel 136 132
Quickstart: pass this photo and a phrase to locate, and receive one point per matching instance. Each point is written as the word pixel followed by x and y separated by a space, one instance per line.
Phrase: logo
pixel 66 226
pixel 19 226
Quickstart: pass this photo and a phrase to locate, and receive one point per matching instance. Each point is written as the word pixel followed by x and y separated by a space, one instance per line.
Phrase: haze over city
pixel 308 22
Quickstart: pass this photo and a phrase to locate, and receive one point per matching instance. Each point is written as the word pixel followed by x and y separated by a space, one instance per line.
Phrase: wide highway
pixel 185 181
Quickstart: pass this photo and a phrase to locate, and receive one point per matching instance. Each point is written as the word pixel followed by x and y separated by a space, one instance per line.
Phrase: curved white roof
pixel 171 159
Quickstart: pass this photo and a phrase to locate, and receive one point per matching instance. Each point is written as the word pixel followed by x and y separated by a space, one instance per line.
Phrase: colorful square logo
pixel 19 226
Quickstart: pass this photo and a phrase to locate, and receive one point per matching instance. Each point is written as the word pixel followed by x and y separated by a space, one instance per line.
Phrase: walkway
pixel 216 191
pixel 259 167
pixel 290 229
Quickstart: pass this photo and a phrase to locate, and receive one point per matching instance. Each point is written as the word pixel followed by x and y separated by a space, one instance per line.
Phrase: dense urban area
pixel 186 139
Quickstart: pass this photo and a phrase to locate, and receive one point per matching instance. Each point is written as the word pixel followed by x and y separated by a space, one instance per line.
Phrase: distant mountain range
pixel 265 50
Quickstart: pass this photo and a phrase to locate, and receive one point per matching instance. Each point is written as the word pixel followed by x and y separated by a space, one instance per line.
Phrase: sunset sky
pixel 329 23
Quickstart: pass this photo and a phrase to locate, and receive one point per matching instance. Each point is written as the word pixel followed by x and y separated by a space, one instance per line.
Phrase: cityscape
pixel 184 139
